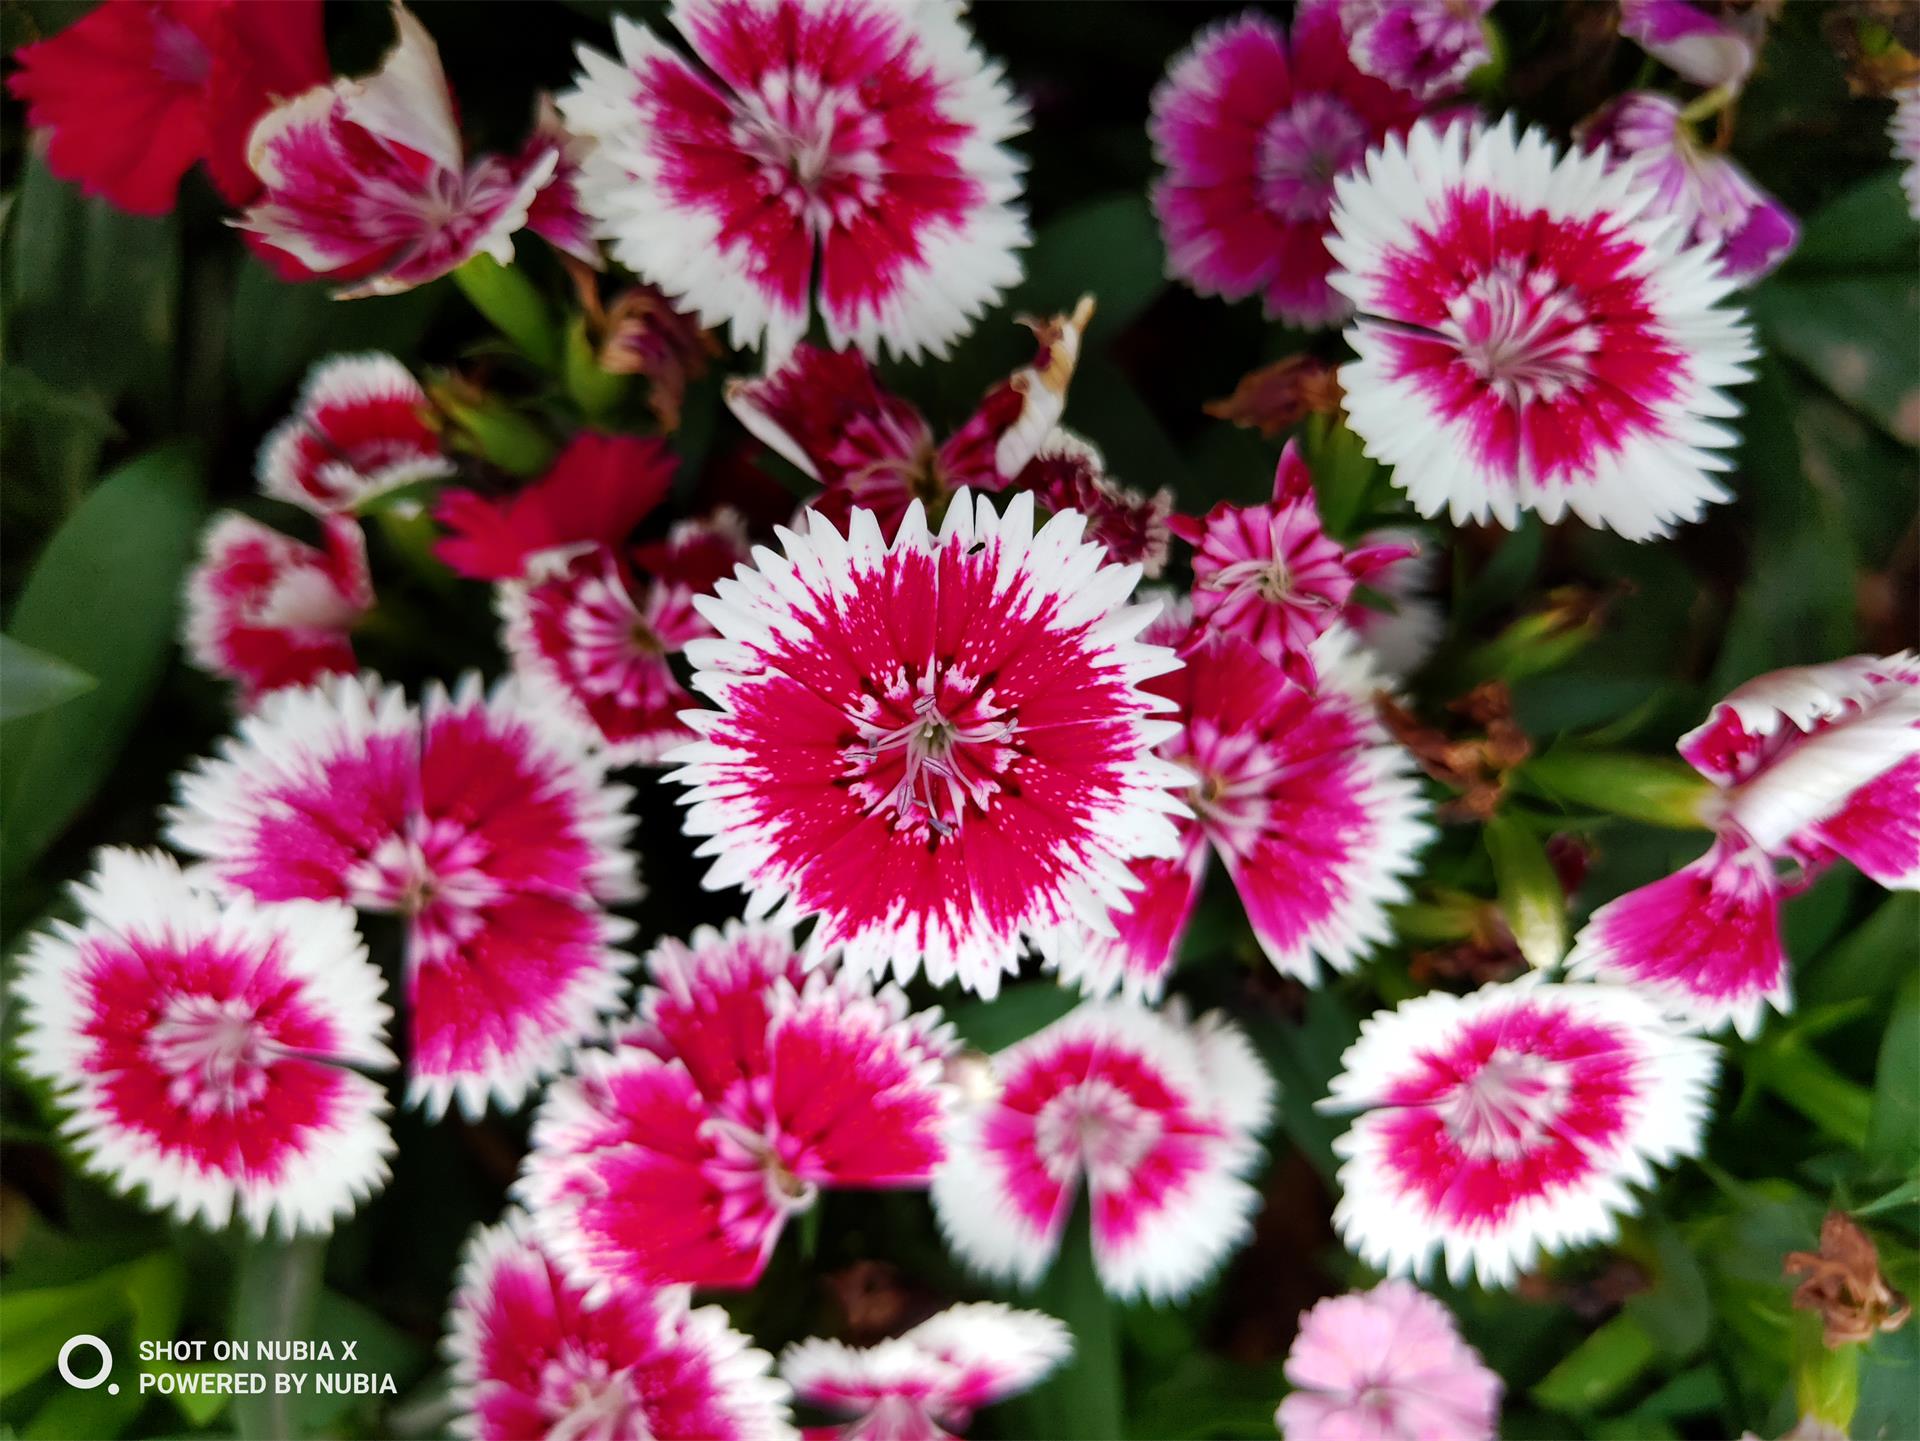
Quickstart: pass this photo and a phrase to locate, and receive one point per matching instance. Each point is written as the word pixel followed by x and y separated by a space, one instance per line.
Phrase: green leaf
pixel 1016 1013
pixel 101 597
pixel 1081 1401
pixel 1802 1078
pixel 1893 1130
pixel 1599 1369
pixel 35 1324
pixel 493 429
pixel 1529 891
pixel 514 307
pixel 274 1299
pixel 1873 961
pixel 279 329
pixel 1109 249
pixel 1907 1193
pixel 32 681
pixel 597 392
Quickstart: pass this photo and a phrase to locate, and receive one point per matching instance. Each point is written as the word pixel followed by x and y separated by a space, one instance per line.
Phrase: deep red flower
pixel 133 93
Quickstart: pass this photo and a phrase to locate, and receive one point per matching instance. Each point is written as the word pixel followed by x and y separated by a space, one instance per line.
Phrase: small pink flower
pixel 494 838
pixel 1813 762
pixel 1386 1365
pixel 1400 638
pixel 1314 811
pixel 1158 1115
pixel 531 1358
pixel 1427 48
pixel 938 747
pixel 595 492
pixel 1271 575
pixel 265 610
pixel 359 432
pixel 204 1047
pixel 588 630
pixel 1709 45
pixel 1904 129
pixel 747 1088
pixel 1133 529
pixel 367 181
pixel 1709 195
pixel 1507 1125
pixel 1528 339
pixel 927 1382
pixel 1252 125
pixel 826 411
pixel 852 149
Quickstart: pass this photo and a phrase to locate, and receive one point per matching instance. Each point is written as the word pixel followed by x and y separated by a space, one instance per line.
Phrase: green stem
pixel 273 1301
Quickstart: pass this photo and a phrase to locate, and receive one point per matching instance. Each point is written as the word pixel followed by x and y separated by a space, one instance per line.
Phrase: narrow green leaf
pixel 32 681
pixel 1599 1369
pixel 1881 953
pixel 102 598
pixel 513 306
pixel 1529 890
pixel 1907 1193
pixel 1893 1129
pixel 1016 1013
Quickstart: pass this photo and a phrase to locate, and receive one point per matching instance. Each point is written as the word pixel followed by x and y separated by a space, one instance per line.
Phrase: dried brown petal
pixel 1280 395
pixel 1844 1284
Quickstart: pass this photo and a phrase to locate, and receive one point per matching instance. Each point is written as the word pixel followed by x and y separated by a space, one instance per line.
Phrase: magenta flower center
pixel 927 756
pixel 1505 1107
pixel 1302 150
pixel 816 145
pixel 1097 1127
pixel 590 1400
pixel 215 1052
pixel 1525 334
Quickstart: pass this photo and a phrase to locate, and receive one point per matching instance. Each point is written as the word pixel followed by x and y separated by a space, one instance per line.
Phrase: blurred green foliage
pixel 144 359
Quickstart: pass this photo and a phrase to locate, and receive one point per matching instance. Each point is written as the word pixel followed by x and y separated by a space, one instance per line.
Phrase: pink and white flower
pixel 584 627
pixel 846 147
pixel 1386 1365
pixel 1401 638
pixel 1507 1125
pixel 826 411
pixel 1708 44
pixel 1813 763
pixel 205 1048
pixel 359 431
pixel 1904 129
pixel 495 838
pixel 1158 1115
pixel 1427 48
pixel 555 215
pixel 1068 473
pixel 927 1383
pixel 1252 124
pixel 1314 811
pixel 1529 339
pixel 1713 200
pixel 1271 575
pixel 748 1087
pixel 267 611
pixel 531 1358
pixel 938 748
pixel 367 181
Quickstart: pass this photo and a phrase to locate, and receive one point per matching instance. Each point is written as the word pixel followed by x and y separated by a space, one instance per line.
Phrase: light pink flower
pixel 845 146
pixel 474 819
pixel 1529 340
pixel 1427 48
pixel 531 1358
pixel 1904 129
pixel 587 629
pixel 939 748
pixel 1270 575
pixel 1159 1116
pixel 1386 1365
pixel 927 1382
pixel 1314 811
pixel 826 411
pixel 265 610
pixel 358 432
pixel 1715 202
pixel 1714 45
pixel 1252 125
pixel 367 182
pixel 203 1047
pixel 747 1088
pixel 1813 762
pixel 1508 1125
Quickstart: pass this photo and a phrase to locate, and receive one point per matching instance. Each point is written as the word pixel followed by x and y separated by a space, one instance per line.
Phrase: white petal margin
pixel 142 899
pixel 346 382
pixel 1673 1077
pixel 1654 481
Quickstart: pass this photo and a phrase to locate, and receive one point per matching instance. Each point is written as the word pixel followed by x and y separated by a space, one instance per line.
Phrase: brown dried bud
pixel 1844 1284
pixel 1280 395
pixel 1877 40
pixel 644 335
pixel 1474 765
